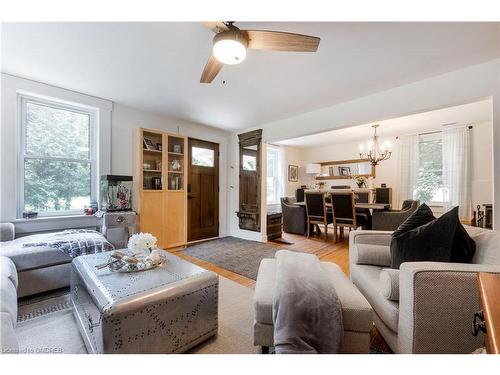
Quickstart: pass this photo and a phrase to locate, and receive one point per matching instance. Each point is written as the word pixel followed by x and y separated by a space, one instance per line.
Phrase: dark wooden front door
pixel 203 190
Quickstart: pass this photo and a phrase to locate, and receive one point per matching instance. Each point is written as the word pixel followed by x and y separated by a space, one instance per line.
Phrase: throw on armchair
pixel 423 307
pixel 391 220
pixel 294 217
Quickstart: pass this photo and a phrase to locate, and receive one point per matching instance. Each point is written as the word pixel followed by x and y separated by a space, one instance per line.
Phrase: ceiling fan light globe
pixel 229 51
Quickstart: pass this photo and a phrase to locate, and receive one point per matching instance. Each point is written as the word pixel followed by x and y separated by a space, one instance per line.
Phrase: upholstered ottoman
pixel 356 311
pixel 168 309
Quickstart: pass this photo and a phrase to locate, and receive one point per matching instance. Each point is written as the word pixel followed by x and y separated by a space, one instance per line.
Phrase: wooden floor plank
pixel 327 251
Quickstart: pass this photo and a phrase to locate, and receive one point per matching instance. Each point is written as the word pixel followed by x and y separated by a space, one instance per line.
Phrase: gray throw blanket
pixel 307 314
pixel 75 242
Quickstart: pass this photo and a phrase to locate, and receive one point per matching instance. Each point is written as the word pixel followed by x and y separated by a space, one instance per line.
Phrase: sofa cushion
pixel 430 242
pixel 389 284
pixel 8 271
pixel 464 247
pixel 26 258
pixel 487 245
pixel 367 279
pixel 8 298
pixel 356 311
pixel 422 215
pixel 8 338
pixel 377 255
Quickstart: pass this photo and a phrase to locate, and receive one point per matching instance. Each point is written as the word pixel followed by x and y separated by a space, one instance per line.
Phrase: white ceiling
pixel 471 113
pixel 156 66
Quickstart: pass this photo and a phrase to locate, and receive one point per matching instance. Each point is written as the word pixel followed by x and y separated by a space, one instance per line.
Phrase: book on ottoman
pixel 168 309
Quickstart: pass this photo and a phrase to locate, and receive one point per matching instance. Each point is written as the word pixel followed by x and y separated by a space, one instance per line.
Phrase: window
pixel 203 157
pixel 430 187
pixel 249 162
pixel 274 175
pixel 57 157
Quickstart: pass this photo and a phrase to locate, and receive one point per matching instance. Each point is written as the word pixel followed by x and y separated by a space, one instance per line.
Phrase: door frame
pixel 217 187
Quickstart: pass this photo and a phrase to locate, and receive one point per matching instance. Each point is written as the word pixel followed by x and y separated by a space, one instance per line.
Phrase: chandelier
pixel 375 153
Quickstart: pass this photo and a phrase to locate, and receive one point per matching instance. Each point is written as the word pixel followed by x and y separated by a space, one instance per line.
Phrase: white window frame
pixel 93 114
pixel 278 186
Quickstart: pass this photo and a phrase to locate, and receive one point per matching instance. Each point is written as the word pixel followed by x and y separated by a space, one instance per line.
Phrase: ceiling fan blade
pixel 216 26
pixel 212 68
pixel 281 41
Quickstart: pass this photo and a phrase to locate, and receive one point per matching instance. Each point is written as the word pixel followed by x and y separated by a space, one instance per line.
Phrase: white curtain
pixel 456 170
pixel 408 166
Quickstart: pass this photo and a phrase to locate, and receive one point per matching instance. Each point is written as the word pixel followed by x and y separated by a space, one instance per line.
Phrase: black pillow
pixel 431 242
pixel 464 247
pixel 422 215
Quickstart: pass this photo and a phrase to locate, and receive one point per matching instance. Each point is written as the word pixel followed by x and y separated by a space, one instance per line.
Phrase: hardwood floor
pixel 327 251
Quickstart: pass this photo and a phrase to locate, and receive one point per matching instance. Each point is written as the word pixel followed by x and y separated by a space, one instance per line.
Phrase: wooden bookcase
pixel 160 185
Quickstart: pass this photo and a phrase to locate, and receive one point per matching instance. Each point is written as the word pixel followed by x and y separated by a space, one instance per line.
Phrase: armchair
pixel 391 220
pixel 424 307
pixel 294 216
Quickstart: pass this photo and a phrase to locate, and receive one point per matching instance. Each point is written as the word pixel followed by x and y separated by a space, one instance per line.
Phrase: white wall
pixel 117 124
pixel 481 146
pixel 458 87
pixel 293 156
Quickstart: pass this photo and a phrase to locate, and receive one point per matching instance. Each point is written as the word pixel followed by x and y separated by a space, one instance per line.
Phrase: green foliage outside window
pixel 430 178
pixel 51 184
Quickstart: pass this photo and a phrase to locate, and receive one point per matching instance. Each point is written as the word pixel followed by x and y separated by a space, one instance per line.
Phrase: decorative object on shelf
pixel 159 147
pixel 321 184
pixel 88 210
pixel 177 149
pixel 344 171
pixel 156 183
pixel 360 181
pixel 116 193
pixel 175 165
pixel 158 165
pixel 293 173
pixel 148 144
pixel 30 215
pixel 146 166
pixel 375 153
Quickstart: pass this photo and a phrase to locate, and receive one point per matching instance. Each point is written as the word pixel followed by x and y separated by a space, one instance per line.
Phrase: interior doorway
pixel 203 190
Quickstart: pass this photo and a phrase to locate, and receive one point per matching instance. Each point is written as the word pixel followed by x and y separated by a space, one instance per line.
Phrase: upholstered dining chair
pixel 344 213
pixel 317 211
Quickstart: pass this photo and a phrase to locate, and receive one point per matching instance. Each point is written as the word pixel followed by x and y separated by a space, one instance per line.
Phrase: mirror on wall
pixel 250 174
pixel 346 169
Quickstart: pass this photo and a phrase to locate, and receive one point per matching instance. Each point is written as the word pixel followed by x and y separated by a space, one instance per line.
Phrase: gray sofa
pixel 391 220
pixel 39 268
pixel 424 307
pixel 8 306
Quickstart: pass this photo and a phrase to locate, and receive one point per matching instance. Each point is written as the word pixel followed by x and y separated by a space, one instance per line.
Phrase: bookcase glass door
pixel 176 165
pixel 152 160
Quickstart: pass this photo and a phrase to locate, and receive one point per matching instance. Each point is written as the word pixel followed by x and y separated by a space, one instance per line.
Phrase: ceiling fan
pixel 230 45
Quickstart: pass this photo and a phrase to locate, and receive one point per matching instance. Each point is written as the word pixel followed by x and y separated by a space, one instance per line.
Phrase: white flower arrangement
pixel 142 243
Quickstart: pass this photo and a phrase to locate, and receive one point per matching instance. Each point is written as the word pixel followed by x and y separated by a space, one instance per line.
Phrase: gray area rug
pixel 233 254
pixel 46 324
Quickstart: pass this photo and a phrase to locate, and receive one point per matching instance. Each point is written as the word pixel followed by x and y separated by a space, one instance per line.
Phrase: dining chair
pixel 344 213
pixel 317 211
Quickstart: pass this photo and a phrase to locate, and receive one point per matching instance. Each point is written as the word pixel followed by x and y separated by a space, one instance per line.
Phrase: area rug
pixel 233 254
pixel 46 324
